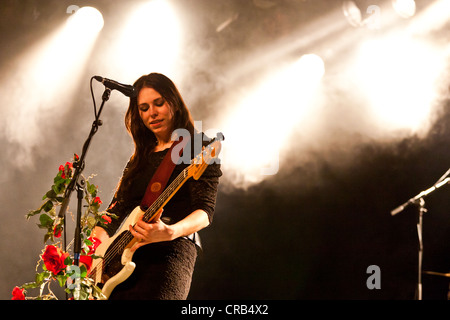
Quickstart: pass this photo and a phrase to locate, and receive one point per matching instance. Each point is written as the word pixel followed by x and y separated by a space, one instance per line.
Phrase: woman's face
pixel 155 112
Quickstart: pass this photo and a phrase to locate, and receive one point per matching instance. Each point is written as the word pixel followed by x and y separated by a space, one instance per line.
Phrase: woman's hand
pixel 156 231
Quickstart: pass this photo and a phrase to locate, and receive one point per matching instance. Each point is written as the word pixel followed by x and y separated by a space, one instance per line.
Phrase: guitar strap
pixel 162 174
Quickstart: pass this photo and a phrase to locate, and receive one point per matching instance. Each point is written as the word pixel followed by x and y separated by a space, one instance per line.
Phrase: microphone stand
pixel 418 199
pixel 79 182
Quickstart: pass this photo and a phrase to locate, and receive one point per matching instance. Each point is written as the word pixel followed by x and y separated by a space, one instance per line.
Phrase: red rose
pixel 95 243
pixel 97 200
pixel 87 261
pixel 66 170
pixel 57 231
pixel 54 259
pixel 18 294
pixel 106 219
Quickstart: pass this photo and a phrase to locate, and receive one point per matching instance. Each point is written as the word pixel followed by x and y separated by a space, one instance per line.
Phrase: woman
pixel 166 256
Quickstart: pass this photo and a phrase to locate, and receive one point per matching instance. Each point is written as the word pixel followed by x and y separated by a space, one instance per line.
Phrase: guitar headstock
pixel 209 155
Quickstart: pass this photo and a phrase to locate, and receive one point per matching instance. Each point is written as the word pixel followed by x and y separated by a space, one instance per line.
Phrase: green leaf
pixel 51 194
pixel 83 271
pixel 52 212
pixel 48 235
pixel 59 187
pixel 91 222
pixel 84 295
pixel 40 277
pixel 61 280
pixel 60 184
pixel 47 206
pixel 68 261
pixel 88 186
pixel 58 178
pixel 45 221
pixel 30 285
pixel 33 213
pixel 112 215
pixel 97 293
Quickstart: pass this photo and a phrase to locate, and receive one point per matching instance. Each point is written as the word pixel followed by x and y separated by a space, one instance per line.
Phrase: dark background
pixel 308 232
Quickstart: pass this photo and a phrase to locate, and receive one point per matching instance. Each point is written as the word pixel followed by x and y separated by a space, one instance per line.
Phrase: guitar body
pixel 117 266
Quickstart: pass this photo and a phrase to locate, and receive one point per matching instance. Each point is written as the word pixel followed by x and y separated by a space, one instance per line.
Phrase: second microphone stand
pixel 419 200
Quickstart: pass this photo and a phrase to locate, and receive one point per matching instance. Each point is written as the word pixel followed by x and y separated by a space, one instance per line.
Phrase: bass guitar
pixel 115 264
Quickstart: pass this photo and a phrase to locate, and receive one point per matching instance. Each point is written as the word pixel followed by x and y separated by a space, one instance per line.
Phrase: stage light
pixel 312 68
pixel 397 74
pixel 87 20
pixel 404 8
pixel 148 41
pixel 258 129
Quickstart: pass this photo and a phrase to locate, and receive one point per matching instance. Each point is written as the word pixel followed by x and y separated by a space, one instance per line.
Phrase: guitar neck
pixel 166 195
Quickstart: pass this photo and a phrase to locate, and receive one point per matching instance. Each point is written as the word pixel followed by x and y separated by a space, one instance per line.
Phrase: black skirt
pixel 163 272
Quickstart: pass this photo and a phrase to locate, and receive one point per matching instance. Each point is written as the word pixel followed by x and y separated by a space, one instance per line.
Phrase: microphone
pixel 126 89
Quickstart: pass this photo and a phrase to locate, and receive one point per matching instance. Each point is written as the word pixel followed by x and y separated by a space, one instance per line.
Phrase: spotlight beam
pixel 48 73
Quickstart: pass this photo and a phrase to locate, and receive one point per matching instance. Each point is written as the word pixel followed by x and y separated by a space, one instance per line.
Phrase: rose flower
pixel 18 294
pixel 54 259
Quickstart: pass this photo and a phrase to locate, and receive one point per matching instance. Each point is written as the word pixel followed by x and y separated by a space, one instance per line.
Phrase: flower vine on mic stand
pixel 55 264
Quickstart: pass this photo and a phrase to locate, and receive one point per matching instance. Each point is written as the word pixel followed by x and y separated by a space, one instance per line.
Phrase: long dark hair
pixel 144 139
